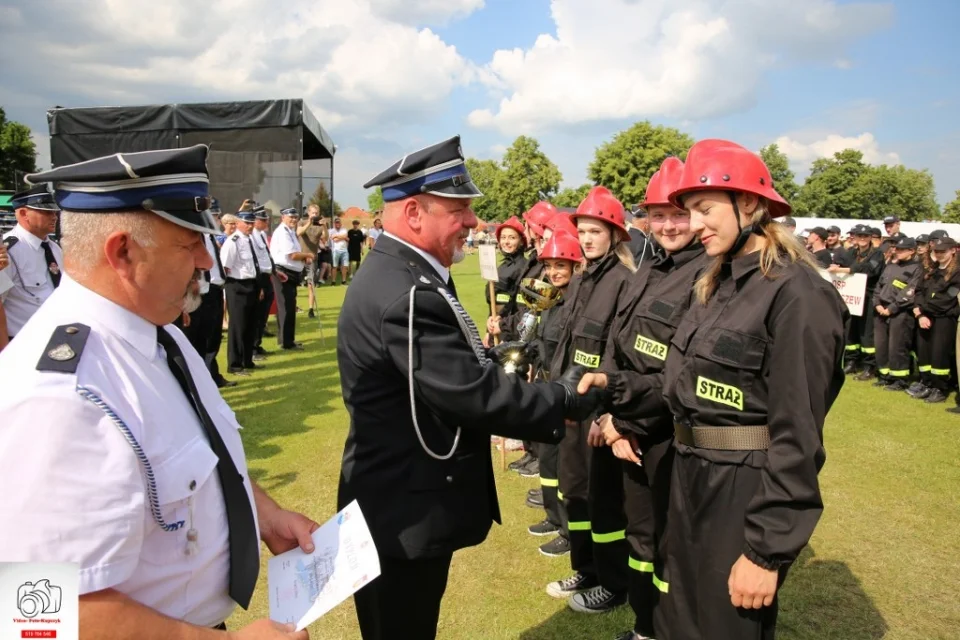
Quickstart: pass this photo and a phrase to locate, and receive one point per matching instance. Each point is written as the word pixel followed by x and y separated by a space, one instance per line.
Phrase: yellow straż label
pixel 719 393
pixel 503 298
pixel 589 360
pixel 899 284
pixel 650 347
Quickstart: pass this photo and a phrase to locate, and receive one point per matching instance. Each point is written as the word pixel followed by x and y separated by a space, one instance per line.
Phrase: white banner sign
pixel 488 262
pixel 852 287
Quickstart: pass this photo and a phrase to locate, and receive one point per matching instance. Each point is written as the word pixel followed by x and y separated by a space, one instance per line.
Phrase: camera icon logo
pixel 40 597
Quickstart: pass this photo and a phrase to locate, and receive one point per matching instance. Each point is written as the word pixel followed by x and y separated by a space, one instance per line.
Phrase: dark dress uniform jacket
pixel 417 506
pixel 937 295
pixel 657 299
pixel 764 351
pixel 510 271
pixel 870 263
pixel 897 285
pixel 512 313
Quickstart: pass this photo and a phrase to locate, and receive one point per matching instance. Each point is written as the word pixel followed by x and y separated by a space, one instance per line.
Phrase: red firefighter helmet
pixel 562 245
pixel 665 180
pixel 600 204
pixel 538 215
pixel 722 165
pixel 512 223
pixel 562 222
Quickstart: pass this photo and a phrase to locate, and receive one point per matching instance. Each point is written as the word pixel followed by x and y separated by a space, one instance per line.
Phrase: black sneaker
pixel 851 368
pixel 882 381
pixel 530 470
pixel 535 502
pixel 867 374
pixel 923 393
pixel 259 357
pixel 556 548
pixel 238 372
pixel 597 600
pixel 935 396
pixel 543 528
pixel 896 385
pixel 310 314
pixel 955 410
pixel 522 462
pixel 223 383
pixel 568 586
pixel 915 387
pixel 535 494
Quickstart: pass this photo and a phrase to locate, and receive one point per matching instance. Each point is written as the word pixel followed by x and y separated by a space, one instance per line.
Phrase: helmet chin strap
pixel 743 233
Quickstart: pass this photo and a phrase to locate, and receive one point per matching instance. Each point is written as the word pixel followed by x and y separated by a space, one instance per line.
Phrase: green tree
pixel 321 198
pixel 784 181
pixel 485 175
pixel 625 163
pixel 829 190
pixel 882 191
pixel 18 153
pixel 527 173
pixel 572 197
pixel 951 211
pixel 375 200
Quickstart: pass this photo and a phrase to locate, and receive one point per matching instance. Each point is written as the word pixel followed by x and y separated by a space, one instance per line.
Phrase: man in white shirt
pixel 35 261
pixel 290 258
pixel 242 265
pixel 268 270
pixel 5 285
pixel 341 256
pixel 141 479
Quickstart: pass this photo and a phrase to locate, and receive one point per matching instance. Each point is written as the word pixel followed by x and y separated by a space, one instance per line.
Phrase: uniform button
pixel 557 433
pixel 449 478
pixel 72 330
pixel 193 485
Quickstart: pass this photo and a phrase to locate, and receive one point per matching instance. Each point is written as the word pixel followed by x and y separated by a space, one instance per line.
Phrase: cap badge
pixel 61 353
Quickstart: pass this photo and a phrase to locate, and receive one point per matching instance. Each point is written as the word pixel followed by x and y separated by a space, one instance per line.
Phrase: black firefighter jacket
pixel 417 506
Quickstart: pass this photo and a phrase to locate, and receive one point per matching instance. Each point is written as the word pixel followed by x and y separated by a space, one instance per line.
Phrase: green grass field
pixel 884 561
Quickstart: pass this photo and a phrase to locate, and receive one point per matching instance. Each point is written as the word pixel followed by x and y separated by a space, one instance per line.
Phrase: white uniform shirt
pixel 74 490
pixel 30 274
pixel 5 284
pixel 236 254
pixel 263 251
pixel 284 242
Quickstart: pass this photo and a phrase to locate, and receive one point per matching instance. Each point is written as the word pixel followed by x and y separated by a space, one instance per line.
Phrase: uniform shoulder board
pixel 10 241
pixel 63 351
pixel 234 238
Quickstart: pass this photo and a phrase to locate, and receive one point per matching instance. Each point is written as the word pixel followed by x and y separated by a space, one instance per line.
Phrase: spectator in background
pixel 355 241
pixel 892 226
pixel 642 244
pixel 374 233
pixel 310 233
pixel 817 245
pixel 229 223
pixel 338 244
pixel 790 224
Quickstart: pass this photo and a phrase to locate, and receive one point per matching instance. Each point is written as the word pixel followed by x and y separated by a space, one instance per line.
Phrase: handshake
pixel 516 357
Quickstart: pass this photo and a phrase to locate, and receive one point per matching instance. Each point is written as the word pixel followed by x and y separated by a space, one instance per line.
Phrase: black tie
pixel 216 256
pixel 244 546
pixel 256 263
pixel 52 266
pixel 453 287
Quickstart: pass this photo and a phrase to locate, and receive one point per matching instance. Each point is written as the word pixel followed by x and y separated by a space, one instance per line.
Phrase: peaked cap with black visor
pixel 37 198
pixel 721 165
pixel 172 183
pixel 439 170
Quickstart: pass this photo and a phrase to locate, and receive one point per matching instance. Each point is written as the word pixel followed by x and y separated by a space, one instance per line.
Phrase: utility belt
pixel 242 280
pixel 291 274
pixel 739 438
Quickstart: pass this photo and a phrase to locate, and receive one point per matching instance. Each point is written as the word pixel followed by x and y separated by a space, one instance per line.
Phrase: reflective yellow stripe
pixel 884 372
pixel 503 297
pixel 852 347
pixel 549 482
pixel 720 393
pixel 940 372
pixel 650 347
pixel 924 368
pixel 578 526
pixel 639 565
pixel 664 587
pixel 559 494
pixel 900 373
pixel 589 360
pixel 868 349
pixel 898 284
pixel 613 536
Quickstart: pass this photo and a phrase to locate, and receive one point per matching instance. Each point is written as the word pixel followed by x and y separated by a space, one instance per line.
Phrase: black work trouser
pixel 549 456
pixel 860 348
pixel 206 329
pixel 241 334
pixel 646 490
pixel 893 336
pixel 265 285
pixel 608 521
pixel 404 602
pixel 286 293
pixel 935 352
pixel 704 538
pixel 574 477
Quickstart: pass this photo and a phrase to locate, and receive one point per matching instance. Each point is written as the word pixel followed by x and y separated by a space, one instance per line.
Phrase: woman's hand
pixel 750 585
pixel 626 449
pixel 493 325
pixel 925 322
pixel 610 433
pixel 595 435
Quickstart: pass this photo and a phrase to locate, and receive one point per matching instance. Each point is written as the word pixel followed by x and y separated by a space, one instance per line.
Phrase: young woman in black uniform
pixel 751 373
pixel 512 240
pixel 590 476
pixel 632 374
pixel 936 310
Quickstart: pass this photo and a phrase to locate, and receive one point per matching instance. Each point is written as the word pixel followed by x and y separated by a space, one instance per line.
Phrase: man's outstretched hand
pixel 576 406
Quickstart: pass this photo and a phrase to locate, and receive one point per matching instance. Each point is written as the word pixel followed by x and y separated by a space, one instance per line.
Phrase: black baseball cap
pixel 875 232
pixel 833 229
pixel 891 220
pixel 946 242
pixel 788 221
pixel 936 235
pixel 820 231
pixel 923 238
pixel 905 242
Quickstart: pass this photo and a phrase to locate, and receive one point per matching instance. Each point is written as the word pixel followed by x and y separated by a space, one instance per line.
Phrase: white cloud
pixel 352 61
pixel 616 59
pixel 801 154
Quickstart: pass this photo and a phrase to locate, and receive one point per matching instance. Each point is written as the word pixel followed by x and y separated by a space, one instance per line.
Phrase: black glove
pixel 575 406
pixel 514 355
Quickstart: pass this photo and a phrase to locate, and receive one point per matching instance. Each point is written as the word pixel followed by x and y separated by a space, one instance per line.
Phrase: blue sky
pixel 389 76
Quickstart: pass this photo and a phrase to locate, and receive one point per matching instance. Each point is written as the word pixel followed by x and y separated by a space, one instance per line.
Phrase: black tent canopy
pixel 257 148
